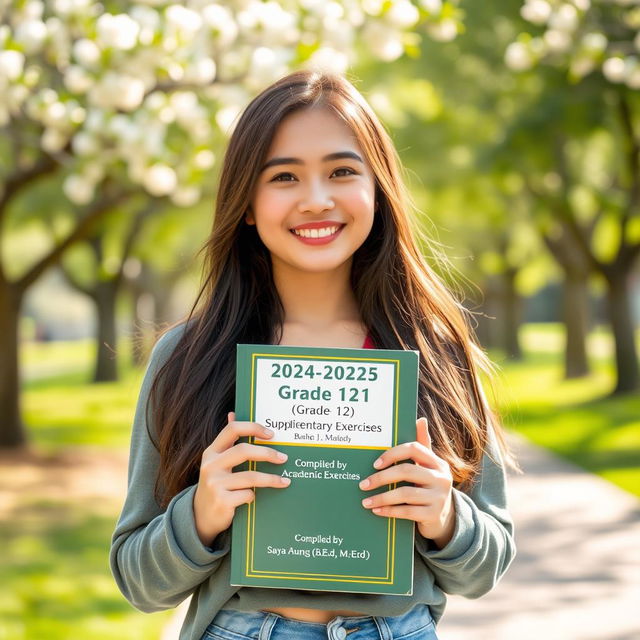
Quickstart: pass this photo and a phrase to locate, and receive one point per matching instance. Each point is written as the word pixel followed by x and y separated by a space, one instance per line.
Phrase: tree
pixel 593 44
pixel 111 99
pixel 101 276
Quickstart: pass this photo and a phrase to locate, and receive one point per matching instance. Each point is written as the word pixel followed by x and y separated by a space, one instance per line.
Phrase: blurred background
pixel 518 124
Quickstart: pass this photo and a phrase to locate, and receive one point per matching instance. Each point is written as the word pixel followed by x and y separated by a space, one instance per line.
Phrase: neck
pixel 316 300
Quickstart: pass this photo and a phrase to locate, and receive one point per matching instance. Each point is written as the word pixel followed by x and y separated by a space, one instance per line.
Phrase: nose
pixel 316 199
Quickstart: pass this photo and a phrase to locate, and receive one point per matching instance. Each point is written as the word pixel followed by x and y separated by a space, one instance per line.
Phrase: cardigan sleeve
pixel 482 546
pixel 156 556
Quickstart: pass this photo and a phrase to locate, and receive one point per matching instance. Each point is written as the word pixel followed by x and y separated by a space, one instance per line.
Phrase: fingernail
pixel 267 432
pixel 285 480
pixel 367 502
pixel 378 463
pixel 281 456
pixel 365 483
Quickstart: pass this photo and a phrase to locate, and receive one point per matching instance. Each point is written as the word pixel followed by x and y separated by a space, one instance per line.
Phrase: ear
pixel 249 217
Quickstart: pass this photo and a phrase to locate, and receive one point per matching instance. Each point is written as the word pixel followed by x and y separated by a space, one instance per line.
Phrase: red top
pixel 368 343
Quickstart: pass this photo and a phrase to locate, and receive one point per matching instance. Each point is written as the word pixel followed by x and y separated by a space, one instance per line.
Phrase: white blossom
pixel 595 42
pixel 373 7
pixel 328 59
pixel 556 40
pixel 117 31
pixel 384 41
pixel 78 189
pixel 443 31
pixel 201 71
pixel 220 20
pixel 204 159
pixel 86 52
pixel 226 117
pixel 85 144
pixel 536 11
pixel 31 34
pixel 160 180
pixel 184 21
pixel 148 21
pixel 432 6
pixel 77 80
pixel 403 14
pixel 117 91
pixel 11 64
pixel 53 140
pixel 186 196
pixel 565 18
pixel 614 69
pixel 518 57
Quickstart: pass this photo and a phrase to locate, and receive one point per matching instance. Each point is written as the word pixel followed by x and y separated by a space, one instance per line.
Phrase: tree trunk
pixel 12 432
pixel 627 373
pixel 106 369
pixel 512 316
pixel 576 314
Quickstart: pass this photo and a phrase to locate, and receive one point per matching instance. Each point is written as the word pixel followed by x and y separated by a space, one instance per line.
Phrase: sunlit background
pixel 518 123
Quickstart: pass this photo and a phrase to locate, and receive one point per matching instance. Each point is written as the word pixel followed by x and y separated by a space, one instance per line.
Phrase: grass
pixel 56 581
pixel 54 571
pixel 577 419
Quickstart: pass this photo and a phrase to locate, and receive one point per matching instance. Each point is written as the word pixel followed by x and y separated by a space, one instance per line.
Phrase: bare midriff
pixel 312 615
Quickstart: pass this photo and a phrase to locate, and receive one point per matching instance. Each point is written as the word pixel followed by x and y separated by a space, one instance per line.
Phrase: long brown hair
pixel 402 301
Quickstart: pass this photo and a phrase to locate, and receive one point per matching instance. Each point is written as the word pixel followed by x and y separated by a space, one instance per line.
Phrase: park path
pixel 577 572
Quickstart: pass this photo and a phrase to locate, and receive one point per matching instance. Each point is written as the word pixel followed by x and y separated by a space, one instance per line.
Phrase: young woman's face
pixel 313 205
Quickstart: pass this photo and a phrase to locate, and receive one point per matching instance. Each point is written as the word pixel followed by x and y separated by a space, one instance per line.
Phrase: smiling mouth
pixel 322 232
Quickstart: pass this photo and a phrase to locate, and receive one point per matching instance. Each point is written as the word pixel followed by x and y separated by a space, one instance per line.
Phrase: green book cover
pixel 334 411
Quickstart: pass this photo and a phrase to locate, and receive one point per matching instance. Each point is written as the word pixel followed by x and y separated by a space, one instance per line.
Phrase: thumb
pixel 231 416
pixel 422 431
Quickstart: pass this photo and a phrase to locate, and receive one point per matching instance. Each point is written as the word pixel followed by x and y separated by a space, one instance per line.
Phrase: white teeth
pixel 315 233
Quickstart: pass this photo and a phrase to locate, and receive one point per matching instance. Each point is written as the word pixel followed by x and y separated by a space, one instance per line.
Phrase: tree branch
pixel 20 178
pixel 92 214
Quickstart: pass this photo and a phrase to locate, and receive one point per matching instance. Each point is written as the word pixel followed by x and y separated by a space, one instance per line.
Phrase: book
pixel 334 412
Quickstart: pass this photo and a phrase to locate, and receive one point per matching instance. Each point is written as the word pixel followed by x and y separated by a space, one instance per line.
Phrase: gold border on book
pixel 250 572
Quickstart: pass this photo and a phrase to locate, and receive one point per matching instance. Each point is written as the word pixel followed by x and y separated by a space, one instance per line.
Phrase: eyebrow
pixel 338 155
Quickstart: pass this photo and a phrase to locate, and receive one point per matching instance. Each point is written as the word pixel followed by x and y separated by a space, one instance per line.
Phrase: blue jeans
pixel 416 624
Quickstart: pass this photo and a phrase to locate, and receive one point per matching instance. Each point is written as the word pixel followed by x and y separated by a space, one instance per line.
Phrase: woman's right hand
pixel 220 490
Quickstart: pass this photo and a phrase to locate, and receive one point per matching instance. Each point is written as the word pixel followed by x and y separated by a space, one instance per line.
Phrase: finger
pixel 415 451
pixel 399 496
pixel 405 512
pixel 248 479
pixel 234 430
pixel 244 451
pixel 404 472
pixel 422 432
pixel 243 496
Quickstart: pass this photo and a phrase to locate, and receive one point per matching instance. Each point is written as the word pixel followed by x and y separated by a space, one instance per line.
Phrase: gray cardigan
pixel 158 560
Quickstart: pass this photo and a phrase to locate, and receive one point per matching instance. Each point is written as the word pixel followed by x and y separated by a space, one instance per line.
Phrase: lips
pixel 314 233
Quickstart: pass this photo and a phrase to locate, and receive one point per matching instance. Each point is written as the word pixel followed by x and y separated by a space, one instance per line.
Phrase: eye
pixel 350 171
pixel 282 177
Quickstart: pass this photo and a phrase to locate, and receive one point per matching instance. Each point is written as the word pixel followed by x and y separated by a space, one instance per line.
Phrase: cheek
pixel 361 202
pixel 271 206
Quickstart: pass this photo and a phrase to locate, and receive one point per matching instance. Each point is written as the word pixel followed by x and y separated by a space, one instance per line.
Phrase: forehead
pixel 315 131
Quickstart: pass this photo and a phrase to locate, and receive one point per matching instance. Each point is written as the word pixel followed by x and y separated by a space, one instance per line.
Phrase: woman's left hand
pixel 429 501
